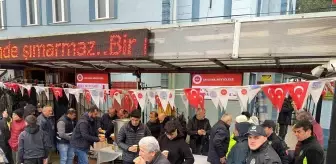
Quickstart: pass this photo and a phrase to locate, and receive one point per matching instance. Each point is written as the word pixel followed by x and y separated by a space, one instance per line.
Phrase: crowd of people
pixel 31 135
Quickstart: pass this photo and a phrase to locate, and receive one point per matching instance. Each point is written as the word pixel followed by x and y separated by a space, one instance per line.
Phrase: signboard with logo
pixel 217 80
pixel 92 80
pixel 86 46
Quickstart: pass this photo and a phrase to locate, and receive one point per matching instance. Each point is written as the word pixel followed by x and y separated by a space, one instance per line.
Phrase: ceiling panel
pixel 192 63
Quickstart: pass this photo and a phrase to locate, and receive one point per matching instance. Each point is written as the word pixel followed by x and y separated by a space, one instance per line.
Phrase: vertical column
pixel 332 135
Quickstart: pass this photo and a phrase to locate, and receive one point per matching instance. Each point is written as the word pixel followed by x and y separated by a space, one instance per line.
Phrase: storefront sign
pixel 205 81
pixel 266 78
pixel 88 46
pixel 216 80
pixel 90 80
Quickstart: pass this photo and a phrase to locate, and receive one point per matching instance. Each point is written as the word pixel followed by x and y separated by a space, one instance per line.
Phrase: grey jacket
pixel 48 125
pixel 264 155
pixel 128 137
pixel 33 143
pixel 159 159
pixel 239 151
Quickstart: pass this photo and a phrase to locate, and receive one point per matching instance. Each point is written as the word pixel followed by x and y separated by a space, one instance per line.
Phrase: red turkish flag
pixel 87 96
pixel 201 100
pixel 298 91
pixel 58 92
pixel 12 86
pixel 158 102
pixel 276 93
pixel 334 2
pixel 134 99
pixel 127 103
pixel 193 96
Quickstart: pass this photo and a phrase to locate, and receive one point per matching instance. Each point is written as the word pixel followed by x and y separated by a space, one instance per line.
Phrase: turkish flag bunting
pixel 330 86
pixel 127 103
pixel 134 99
pixel 116 94
pixel 158 102
pixel 193 96
pixel 12 86
pixel 276 94
pixel 87 96
pixel 58 92
pixel 334 2
pixel 298 91
pixel 201 100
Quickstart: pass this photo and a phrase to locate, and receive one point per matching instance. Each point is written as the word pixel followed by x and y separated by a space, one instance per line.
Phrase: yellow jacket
pixel 231 144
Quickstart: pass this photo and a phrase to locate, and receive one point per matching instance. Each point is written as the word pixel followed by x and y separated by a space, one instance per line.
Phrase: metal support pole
pixel 319 110
pixel 331 158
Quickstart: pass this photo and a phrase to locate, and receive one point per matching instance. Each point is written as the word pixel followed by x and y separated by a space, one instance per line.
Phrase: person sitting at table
pixel 150 152
pixel 173 142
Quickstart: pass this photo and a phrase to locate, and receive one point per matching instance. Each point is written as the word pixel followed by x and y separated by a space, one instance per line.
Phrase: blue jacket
pixel 219 142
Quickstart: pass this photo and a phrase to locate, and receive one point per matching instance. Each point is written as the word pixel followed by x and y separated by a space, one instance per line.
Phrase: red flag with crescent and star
pixel 193 96
pixel 58 92
pixel 276 94
pixel 134 99
pixel 298 91
pixel 87 96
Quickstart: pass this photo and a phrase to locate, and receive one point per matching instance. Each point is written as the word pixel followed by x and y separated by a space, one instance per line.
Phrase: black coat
pixel 4 137
pixel 280 147
pixel 155 128
pixel 312 151
pixel 239 151
pixel 285 115
pixel 196 140
pixel 84 134
pixel 179 151
pixel 264 155
pixel 48 125
pixel 219 142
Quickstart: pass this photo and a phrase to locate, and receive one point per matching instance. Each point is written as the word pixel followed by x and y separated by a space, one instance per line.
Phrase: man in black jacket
pixel 174 143
pixel 106 124
pixel 34 143
pixel 85 134
pixel 285 117
pixel 47 124
pixel 260 150
pixel 219 140
pixel 5 136
pixel 240 150
pixel 276 142
pixel 311 151
pixel 163 119
pixel 199 129
pixel 65 126
pixel 129 136
pixel 153 124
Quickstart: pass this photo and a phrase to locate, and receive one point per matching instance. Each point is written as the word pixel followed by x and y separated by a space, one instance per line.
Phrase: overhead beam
pixel 165 64
pixel 302 75
pixel 219 63
pixel 89 65
pixel 277 62
pixel 124 65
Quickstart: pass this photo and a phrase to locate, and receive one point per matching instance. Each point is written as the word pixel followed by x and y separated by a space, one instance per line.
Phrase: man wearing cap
pixel 129 136
pixel 260 150
pixel 17 126
pixel 275 141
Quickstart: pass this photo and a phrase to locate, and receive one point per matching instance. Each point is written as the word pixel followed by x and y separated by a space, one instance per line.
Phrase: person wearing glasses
pixel 174 146
pixel 65 127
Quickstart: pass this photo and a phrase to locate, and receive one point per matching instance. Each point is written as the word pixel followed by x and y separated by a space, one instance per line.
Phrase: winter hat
pixel 19 112
pixel 136 113
pixel 254 120
pixel 243 128
pixel 241 118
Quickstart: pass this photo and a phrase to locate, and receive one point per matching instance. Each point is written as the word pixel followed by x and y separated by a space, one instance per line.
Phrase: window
pixel 32 12
pixel 104 9
pixel 60 10
pixel 2 12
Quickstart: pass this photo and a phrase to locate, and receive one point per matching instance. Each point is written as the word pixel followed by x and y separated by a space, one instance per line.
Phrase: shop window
pixel 32 12
pixel 2 14
pixel 60 10
pixel 103 9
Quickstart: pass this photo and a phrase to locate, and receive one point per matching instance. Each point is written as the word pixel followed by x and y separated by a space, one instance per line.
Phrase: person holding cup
pixel 150 152
pixel 129 135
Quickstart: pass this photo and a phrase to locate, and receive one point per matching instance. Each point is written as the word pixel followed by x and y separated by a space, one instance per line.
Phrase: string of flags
pixel 276 93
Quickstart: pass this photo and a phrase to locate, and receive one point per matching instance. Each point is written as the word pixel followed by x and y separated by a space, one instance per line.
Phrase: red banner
pixel 276 94
pixel 58 92
pixel 298 91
